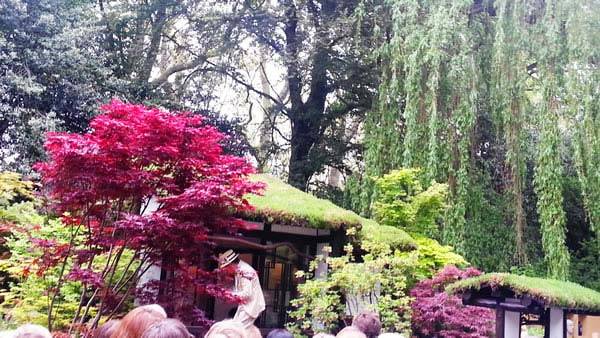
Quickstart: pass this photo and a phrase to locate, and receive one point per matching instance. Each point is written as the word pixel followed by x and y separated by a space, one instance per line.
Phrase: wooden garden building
pixel 520 300
pixel 290 227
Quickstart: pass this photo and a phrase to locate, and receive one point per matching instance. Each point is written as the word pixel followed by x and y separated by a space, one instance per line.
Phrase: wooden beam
pixel 240 242
pixel 494 303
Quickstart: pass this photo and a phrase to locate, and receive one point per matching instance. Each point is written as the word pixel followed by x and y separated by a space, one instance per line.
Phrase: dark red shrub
pixel 103 181
pixel 436 314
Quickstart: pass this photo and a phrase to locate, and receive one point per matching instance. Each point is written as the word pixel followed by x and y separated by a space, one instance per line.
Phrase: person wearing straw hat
pixel 246 286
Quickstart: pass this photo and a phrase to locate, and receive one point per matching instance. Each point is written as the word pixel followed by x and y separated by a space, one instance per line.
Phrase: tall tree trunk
pixel 300 167
pixel 307 117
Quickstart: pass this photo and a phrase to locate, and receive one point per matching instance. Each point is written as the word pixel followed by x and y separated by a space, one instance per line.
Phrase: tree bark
pixel 307 117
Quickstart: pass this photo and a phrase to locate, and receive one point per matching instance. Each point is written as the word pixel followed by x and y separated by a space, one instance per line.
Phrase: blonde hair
pixel 138 320
pixel 351 332
pixel 107 329
pixel 323 335
pixel 226 329
pixel 32 331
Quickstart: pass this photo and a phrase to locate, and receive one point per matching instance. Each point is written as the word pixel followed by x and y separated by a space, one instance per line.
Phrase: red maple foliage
pixel 437 314
pixel 103 182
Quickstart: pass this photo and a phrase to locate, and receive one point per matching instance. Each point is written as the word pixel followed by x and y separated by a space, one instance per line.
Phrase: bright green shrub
pixel 25 299
pixel 431 257
pixel 401 201
pixel 11 187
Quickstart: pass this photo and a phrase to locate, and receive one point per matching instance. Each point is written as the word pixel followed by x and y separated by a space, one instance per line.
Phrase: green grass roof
pixel 284 204
pixel 281 203
pixel 549 292
pixel 383 234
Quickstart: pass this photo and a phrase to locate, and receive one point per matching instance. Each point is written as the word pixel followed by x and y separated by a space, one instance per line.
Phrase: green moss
pixel 281 203
pixel 546 291
pixel 284 204
pixel 374 235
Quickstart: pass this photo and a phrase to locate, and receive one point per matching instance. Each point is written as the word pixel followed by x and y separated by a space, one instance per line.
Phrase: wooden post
pixel 512 324
pixel 499 323
pixel 556 323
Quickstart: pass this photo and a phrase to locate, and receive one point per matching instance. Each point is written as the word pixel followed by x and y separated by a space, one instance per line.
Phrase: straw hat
pixel 227 258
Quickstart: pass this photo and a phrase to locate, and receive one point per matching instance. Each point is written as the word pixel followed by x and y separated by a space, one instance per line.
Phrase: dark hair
pixel 368 323
pixel 280 333
pixel 106 330
pixel 168 328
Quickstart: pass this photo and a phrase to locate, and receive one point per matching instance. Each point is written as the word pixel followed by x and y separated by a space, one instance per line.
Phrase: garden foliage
pixel 381 282
pixel 437 314
pixel 24 292
pixel 383 278
pixel 500 100
pixel 103 183
pixel 378 283
pixel 402 201
pixel 430 257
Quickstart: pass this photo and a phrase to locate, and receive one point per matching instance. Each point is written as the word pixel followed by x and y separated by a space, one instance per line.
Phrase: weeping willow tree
pixel 549 171
pixel 485 95
pixel 511 108
pixel 583 95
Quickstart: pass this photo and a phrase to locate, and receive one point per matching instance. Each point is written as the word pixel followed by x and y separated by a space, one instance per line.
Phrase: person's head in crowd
pixel 323 335
pixel 368 323
pixel 226 329
pixel 32 331
pixel 280 333
pixel 107 329
pixel 168 328
pixel 137 321
pixel 391 335
pixel 157 308
pixel 7 334
pixel 351 332
pixel 253 332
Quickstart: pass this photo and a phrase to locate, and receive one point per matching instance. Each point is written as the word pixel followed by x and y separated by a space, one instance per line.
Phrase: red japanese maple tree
pixel 437 314
pixel 103 181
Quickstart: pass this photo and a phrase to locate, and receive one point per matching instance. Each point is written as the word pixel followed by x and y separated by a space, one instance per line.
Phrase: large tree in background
pixel 52 73
pixel 327 73
pixel 491 97
pixel 60 59
pixel 178 54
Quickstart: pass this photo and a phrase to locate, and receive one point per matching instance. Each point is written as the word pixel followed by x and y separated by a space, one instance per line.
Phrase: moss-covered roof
pixel 281 203
pixel 548 292
pixel 284 204
pixel 374 233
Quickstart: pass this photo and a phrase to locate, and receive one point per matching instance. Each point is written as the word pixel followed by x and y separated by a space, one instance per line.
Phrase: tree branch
pixel 162 78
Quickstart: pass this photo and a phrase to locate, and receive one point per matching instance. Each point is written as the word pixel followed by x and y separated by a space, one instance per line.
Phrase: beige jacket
pixel 247 287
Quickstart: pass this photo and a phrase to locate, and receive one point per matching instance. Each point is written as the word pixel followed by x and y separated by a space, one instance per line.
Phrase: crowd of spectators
pixel 151 321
